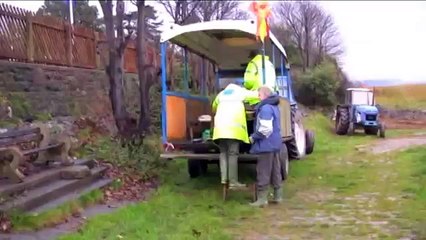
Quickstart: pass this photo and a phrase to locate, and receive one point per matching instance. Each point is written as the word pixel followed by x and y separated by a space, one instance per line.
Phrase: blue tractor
pixel 358 112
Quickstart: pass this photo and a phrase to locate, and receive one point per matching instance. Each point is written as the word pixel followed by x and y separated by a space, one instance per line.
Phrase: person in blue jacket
pixel 266 143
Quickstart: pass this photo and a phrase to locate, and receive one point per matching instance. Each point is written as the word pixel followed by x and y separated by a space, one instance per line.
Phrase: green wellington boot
pixel 233 174
pixel 262 199
pixel 278 196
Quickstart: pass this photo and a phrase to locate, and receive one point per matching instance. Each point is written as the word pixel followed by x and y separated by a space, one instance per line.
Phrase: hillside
pixel 410 96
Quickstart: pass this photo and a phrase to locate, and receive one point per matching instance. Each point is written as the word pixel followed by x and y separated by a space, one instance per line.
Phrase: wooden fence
pixel 26 37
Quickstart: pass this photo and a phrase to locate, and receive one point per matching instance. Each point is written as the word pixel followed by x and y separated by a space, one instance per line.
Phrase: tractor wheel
pixel 284 161
pixel 342 121
pixel 382 130
pixel 196 167
pixel 297 145
pixel 371 131
pixel 310 141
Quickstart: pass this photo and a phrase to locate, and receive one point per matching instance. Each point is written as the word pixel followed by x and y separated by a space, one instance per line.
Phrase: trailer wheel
pixel 310 141
pixel 297 145
pixel 284 162
pixel 196 168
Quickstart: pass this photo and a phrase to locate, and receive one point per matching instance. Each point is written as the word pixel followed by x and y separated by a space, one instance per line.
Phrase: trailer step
pixel 204 156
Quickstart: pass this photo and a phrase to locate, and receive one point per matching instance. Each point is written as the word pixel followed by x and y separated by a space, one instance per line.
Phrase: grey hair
pixel 265 90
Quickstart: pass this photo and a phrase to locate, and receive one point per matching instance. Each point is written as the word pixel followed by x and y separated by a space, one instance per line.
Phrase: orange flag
pixel 262 11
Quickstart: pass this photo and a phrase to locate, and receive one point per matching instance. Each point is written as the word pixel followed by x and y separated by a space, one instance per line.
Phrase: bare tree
pixel 310 13
pixel 182 11
pixel 116 45
pixel 143 88
pixel 220 10
pixel 312 30
pixel 327 38
pixel 290 17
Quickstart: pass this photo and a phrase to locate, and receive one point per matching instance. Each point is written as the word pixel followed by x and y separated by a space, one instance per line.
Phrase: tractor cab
pixel 359 96
pixel 359 111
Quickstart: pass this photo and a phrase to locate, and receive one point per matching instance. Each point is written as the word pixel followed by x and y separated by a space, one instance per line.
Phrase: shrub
pixel 317 87
pixel 144 158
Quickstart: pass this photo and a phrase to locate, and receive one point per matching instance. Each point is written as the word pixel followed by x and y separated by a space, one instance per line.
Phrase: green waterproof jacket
pixel 230 118
pixel 253 76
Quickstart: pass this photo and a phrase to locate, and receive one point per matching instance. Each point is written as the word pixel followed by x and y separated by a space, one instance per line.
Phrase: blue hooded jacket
pixel 267 129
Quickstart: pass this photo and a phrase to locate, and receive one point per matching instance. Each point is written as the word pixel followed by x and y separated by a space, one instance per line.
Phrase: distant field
pixel 402 96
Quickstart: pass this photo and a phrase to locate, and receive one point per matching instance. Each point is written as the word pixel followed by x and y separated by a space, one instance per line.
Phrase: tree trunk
pixel 115 66
pixel 144 119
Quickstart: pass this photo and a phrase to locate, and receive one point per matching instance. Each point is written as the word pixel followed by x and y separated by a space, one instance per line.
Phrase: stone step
pixel 38 179
pixel 99 183
pixel 55 189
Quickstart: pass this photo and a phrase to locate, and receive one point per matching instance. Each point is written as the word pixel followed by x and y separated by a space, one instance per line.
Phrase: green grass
pixel 27 222
pixel 180 209
pixel 414 187
pixel 335 192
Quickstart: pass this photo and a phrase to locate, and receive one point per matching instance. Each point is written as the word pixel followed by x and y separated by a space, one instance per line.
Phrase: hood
pixel 367 109
pixel 259 57
pixel 272 100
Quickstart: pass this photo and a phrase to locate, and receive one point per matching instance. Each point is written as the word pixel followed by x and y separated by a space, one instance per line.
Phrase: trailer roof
pixel 228 43
pixel 360 89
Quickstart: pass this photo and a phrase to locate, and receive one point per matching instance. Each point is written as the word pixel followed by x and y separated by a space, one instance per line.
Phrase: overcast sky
pixel 383 40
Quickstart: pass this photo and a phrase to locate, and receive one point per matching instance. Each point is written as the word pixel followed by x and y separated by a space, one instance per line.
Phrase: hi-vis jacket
pixel 230 118
pixel 253 76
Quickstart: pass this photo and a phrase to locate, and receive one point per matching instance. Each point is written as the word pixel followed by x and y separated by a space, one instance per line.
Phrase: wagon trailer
pixel 187 118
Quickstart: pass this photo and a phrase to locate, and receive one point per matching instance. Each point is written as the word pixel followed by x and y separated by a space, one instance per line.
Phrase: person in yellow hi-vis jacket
pixel 253 76
pixel 230 129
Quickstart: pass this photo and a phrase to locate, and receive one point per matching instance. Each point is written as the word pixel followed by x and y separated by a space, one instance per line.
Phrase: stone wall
pixel 60 91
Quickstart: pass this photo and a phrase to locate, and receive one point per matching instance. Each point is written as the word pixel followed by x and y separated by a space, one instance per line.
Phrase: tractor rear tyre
pixel 382 130
pixel 197 167
pixel 284 162
pixel 342 121
pixel 297 145
pixel 310 141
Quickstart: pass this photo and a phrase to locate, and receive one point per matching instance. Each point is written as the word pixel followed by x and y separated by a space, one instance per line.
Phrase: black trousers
pixel 268 171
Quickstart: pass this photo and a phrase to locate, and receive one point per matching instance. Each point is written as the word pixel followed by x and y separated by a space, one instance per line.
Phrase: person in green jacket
pixel 230 129
pixel 253 76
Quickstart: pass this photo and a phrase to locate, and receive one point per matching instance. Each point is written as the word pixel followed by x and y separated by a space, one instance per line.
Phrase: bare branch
pixel 220 10
pixel 169 7
pixel 313 30
pixel 182 11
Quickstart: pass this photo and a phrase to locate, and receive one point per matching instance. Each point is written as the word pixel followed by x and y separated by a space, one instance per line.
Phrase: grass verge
pixel 335 192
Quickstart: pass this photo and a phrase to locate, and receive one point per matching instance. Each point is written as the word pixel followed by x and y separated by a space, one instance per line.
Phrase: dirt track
pixel 393 144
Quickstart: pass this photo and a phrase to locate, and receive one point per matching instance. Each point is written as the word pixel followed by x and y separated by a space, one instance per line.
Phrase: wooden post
pixel 97 51
pixel 30 38
pixel 68 43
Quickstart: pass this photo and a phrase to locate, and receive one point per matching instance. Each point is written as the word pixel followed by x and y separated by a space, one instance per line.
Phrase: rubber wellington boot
pixel 262 199
pixel 278 196
pixel 233 174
